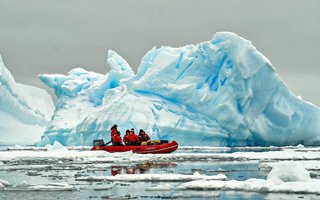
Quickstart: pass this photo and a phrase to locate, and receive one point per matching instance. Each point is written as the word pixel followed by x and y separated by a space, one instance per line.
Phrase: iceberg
pixel 25 111
pixel 222 92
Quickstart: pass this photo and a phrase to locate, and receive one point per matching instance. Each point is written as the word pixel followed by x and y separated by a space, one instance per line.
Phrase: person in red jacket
pixel 116 139
pixel 143 136
pixel 115 136
pixel 126 137
pixel 114 130
pixel 133 138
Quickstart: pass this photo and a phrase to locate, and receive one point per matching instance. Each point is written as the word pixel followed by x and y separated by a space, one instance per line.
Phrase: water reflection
pixel 139 168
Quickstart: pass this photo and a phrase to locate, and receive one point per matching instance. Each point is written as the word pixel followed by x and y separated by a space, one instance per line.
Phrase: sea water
pixel 31 177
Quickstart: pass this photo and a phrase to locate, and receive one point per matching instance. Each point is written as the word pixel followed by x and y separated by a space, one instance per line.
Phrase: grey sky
pixel 45 36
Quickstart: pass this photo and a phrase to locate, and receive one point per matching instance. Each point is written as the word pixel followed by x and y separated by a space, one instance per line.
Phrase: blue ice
pixel 222 92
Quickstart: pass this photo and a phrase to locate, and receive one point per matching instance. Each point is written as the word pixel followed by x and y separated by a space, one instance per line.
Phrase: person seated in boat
pixel 114 130
pixel 133 138
pixel 116 139
pixel 143 136
pixel 126 137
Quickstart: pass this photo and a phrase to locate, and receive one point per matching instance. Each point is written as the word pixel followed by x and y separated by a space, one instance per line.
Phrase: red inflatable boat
pixel 167 147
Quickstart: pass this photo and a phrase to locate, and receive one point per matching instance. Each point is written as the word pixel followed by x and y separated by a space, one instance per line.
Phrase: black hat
pixel 140 130
pixel 132 129
pixel 127 131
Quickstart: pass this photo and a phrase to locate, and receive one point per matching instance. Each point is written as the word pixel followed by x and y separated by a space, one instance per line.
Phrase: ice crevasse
pixel 25 111
pixel 222 92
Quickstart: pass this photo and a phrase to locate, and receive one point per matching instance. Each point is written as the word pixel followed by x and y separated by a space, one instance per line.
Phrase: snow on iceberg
pixel 25 111
pixel 222 92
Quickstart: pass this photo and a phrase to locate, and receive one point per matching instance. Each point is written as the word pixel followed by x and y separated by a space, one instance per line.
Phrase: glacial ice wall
pixel 222 92
pixel 25 111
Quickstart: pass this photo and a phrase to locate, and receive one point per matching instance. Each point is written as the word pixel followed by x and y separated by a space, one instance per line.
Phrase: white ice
pixel 153 177
pixel 127 157
pixel 3 183
pixel 25 111
pixel 285 177
pixel 52 187
pixel 289 172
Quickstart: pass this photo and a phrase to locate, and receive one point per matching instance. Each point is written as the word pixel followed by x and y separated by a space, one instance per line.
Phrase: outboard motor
pixel 98 143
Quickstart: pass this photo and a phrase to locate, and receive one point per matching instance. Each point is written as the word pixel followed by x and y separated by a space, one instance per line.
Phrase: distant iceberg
pixel 222 92
pixel 25 111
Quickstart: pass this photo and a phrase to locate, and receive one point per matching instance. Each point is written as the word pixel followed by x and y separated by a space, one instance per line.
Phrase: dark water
pixel 136 191
pixel 233 170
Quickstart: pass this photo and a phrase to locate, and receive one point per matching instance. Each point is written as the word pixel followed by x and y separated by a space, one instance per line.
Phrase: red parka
pixel 115 136
pixel 143 137
pixel 116 139
pixel 113 131
pixel 126 139
pixel 133 138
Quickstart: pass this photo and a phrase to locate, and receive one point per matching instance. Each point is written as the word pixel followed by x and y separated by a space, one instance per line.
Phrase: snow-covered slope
pixel 25 111
pixel 219 92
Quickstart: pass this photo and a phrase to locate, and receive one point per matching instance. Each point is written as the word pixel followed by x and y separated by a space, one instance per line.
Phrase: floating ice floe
pixel 27 155
pixel 129 157
pixel 56 147
pixel 286 154
pixel 307 164
pixel 3 183
pixel 52 187
pixel 153 177
pixel 256 185
pixel 246 148
pixel 284 178
pixel 288 171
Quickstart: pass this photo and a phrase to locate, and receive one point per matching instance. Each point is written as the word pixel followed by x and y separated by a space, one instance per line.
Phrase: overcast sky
pixel 45 36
